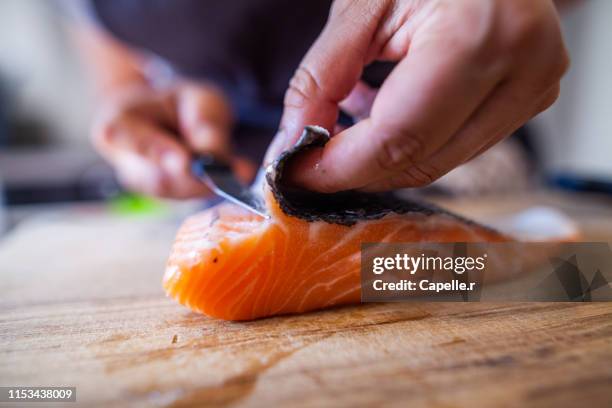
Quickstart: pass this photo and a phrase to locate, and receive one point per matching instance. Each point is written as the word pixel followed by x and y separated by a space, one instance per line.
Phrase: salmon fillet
pixel 231 264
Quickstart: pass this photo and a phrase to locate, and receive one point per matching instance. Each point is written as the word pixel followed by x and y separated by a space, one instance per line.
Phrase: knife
pixel 218 176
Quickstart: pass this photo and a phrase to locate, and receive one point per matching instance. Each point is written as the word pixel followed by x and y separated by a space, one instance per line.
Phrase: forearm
pixel 111 64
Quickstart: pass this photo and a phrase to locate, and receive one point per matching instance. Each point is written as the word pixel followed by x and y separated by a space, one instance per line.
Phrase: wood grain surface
pixel 82 306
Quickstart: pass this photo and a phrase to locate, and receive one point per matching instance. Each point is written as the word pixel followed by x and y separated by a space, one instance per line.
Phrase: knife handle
pixel 204 164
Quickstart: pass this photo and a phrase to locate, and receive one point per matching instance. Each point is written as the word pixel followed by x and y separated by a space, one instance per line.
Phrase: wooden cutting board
pixel 82 306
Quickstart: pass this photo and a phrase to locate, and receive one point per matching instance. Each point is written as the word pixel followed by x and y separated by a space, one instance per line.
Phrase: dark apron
pixel 250 48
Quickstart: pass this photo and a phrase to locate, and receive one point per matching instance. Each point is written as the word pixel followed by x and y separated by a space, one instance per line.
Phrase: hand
pixel 150 135
pixel 469 73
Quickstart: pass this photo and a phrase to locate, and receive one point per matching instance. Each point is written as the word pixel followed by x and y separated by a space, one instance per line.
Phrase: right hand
pixel 150 135
pixel 468 74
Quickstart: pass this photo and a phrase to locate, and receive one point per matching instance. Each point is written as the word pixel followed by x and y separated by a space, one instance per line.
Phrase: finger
pixel 526 92
pixel 339 128
pixel 328 72
pixel 156 106
pixel 545 101
pixel 147 158
pixel 205 119
pixel 503 113
pixel 429 95
pixel 358 103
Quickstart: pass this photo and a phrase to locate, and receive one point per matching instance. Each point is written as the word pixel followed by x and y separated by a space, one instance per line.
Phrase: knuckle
pixel 561 64
pixel 302 87
pixel 466 29
pixel 421 175
pixel 462 41
pixel 549 98
pixel 548 77
pixel 397 153
pixel 529 25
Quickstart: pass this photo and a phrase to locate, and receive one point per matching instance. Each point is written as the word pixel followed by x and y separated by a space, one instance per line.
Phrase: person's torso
pixel 250 48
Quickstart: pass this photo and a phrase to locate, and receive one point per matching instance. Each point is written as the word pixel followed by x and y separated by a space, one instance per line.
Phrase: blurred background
pixel 46 103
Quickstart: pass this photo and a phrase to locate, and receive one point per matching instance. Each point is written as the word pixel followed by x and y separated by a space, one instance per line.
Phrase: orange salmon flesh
pixel 231 264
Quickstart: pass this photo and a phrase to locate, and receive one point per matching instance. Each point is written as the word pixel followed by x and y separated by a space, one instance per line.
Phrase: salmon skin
pixel 231 264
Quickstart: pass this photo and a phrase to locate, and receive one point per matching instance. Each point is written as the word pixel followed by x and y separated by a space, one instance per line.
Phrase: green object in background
pixel 134 204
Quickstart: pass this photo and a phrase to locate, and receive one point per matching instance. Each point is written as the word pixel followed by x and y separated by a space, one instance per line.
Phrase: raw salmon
pixel 229 263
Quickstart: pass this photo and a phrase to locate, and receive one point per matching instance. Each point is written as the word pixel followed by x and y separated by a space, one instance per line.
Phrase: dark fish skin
pixel 344 207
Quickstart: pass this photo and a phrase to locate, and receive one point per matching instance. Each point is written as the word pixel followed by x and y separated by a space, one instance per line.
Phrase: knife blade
pixel 218 176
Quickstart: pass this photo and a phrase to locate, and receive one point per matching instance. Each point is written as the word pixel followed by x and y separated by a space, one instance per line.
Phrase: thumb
pixel 328 72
